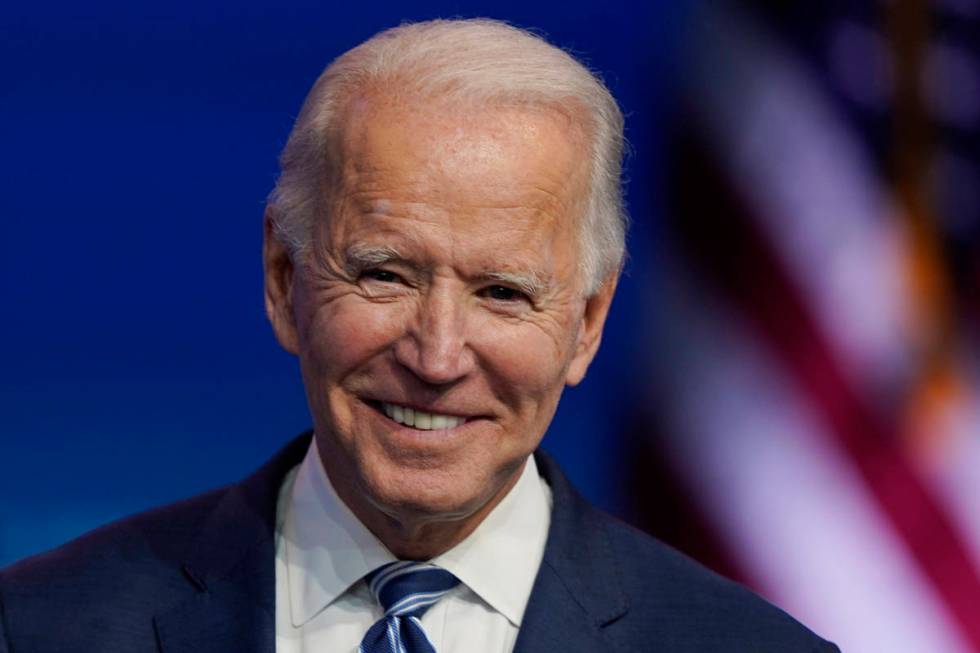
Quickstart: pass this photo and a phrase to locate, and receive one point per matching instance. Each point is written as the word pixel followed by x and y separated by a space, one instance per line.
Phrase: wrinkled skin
pixel 469 302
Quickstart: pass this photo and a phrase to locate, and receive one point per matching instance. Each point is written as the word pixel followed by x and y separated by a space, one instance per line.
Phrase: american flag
pixel 816 405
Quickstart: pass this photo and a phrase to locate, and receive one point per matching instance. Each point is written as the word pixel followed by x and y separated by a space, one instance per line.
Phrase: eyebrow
pixel 359 256
pixel 528 283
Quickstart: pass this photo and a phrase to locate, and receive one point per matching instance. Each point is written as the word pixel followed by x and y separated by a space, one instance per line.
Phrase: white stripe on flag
pixel 951 466
pixel 789 504
pixel 812 190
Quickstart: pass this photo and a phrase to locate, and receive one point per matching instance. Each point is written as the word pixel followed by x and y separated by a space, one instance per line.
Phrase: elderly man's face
pixel 442 310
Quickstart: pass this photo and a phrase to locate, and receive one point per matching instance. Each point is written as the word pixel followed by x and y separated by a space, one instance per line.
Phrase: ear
pixel 279 278
pixel 596 310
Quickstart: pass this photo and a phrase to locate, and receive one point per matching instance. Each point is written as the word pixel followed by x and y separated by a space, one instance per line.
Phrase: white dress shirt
pixel 323 552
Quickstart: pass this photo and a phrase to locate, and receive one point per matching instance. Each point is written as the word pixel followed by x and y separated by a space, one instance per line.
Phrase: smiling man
pixel 441 308
pixel 441 251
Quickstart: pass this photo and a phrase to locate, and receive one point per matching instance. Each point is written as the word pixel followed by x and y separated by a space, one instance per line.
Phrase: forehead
pixel 444 153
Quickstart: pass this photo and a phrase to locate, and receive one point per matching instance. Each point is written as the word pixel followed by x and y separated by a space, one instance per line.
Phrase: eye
pixel 504 294
pixel 384 276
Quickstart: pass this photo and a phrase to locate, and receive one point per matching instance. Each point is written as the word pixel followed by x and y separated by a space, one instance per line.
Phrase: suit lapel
pixel 230 570
pixel 577 590
pixel 556 621
pixel 224 619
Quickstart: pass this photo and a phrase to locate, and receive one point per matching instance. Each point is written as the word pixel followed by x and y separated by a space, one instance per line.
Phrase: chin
pixel 418 495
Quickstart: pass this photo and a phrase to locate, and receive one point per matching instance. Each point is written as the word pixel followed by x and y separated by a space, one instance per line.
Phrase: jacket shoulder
pixel 105 582
pixel 104 590
pixel 637 590
pixel 705 611
pixel 158 533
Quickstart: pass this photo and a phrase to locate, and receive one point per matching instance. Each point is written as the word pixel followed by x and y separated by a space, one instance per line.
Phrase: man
pixel 441 251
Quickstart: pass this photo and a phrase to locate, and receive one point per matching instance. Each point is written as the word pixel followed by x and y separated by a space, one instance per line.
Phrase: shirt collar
pixel 499 560
pixel 328 549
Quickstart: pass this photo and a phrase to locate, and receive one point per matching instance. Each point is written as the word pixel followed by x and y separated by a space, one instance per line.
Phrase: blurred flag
pixel 817 359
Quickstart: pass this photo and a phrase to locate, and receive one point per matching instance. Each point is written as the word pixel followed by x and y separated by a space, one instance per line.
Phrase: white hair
pixel 478 61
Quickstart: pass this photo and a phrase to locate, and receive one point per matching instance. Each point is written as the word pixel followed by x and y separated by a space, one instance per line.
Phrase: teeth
pixel 420 420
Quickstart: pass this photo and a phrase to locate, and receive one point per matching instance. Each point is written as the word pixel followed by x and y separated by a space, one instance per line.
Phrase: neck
pixel 412 533
pixel 423 537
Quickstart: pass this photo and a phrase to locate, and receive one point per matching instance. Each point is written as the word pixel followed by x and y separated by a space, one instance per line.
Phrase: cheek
pixel 527 362
pixel 341 337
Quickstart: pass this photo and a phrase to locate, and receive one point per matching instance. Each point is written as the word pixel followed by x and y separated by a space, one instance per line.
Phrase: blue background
pixel 138 144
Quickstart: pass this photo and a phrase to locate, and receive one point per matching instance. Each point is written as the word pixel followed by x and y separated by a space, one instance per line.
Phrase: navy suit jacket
pixel 199 576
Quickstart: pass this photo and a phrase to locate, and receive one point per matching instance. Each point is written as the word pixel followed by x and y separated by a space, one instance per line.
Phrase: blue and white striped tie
pixel 405 590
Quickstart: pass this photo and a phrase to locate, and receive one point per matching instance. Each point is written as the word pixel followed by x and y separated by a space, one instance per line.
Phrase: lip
pixel 375 403
pixel 421 434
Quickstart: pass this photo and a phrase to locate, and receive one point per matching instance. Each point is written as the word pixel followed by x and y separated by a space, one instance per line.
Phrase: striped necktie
pixel 405 590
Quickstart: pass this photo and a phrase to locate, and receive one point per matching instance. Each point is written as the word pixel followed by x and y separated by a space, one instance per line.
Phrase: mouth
pixel 418 419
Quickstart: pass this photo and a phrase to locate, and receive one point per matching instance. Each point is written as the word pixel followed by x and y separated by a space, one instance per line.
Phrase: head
pixel 467 63
pixel 441 251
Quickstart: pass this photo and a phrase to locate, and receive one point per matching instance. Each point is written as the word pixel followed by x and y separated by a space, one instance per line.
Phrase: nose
pixel 435 347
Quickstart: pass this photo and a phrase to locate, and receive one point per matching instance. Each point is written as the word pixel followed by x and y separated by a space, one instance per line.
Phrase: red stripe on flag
pixel 725 247
pixel 665 509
